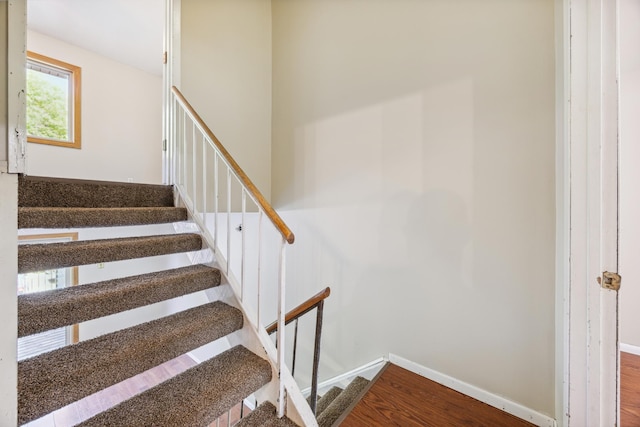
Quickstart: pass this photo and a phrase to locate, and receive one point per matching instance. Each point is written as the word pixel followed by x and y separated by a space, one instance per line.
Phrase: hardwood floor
pixel 629 390
pixel 91 405
pixel 402 398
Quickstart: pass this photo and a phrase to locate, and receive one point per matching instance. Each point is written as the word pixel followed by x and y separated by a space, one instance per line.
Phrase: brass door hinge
pixel 164 58
pixel 611 281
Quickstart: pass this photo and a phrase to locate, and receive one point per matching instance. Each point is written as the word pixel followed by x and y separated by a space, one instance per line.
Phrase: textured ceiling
pixel 128 31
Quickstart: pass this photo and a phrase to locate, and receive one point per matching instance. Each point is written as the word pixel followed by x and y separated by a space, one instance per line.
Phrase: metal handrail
pixel 316 301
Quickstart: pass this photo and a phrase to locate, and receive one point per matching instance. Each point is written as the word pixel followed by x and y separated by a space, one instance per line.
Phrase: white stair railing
pixel 247 236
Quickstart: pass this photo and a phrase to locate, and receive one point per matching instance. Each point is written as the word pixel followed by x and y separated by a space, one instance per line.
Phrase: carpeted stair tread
pixel 41 311
pixel 194 398
pixel 52 380
pixel 342 402
pixel 36 191
pixel 56 217
pixel 38 257
pixel 265 416
pixel 326 400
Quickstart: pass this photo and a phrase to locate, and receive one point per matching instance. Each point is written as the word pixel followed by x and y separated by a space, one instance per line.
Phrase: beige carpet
pixel 41 311
pixel 51 217
pixel 342 402
pixel 36 191
pixel 194 398
pixel 38 257
pixel 265 416
pixel 55 379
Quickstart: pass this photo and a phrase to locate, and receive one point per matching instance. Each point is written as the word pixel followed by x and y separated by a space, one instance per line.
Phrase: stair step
pixel 41 311
pixel 38 257
pixel 36 191
pixel 55 217
pixel 52 380
pixel 195 397
pixel 342 402
pixel 265 416
pixel 326 400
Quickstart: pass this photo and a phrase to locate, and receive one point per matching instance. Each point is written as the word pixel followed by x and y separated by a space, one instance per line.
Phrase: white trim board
pixel 484 396
pixel 628 348
pixel 377 363
pixel 563 190
pixel 16 85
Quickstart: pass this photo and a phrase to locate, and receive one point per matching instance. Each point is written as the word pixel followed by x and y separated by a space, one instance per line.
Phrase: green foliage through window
pixel 47 106
pixel 53 101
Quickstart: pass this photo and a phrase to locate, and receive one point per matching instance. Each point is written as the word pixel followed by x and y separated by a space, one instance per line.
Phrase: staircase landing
pixel 401 398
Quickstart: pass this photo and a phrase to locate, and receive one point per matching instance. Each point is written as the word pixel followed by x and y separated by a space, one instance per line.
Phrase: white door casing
pixel 16 86
pixel 171 77
pixel 593 151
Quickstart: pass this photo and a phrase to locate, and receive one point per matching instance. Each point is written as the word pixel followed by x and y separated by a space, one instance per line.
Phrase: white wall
pixel 226 75
pixel 9 307
pixel 413 156
pixel 629 172
pixel 121 120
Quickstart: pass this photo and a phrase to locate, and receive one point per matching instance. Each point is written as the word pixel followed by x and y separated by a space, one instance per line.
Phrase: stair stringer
pixel 254 338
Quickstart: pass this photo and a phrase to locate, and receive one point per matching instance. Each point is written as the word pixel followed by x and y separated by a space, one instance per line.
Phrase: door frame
pixel 170 78
pixel 16 86
pixel 589 242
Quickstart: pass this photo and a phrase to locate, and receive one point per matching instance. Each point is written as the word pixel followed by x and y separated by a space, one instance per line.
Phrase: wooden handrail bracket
pixel 287 234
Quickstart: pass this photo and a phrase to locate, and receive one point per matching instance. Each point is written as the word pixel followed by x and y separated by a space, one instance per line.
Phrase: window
pixel 53 101
pixel 39 281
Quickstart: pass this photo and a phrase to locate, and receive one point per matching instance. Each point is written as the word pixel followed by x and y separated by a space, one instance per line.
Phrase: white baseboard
pixel 628 348
pixel 348 375
pixel 477 393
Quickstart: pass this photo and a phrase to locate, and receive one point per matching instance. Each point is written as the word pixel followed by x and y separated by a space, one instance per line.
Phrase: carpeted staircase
pixel 52 380
pixel 330 408
pixel 336 401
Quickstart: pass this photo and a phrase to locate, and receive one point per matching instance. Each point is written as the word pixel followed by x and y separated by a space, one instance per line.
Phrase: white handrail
pixel 202 188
